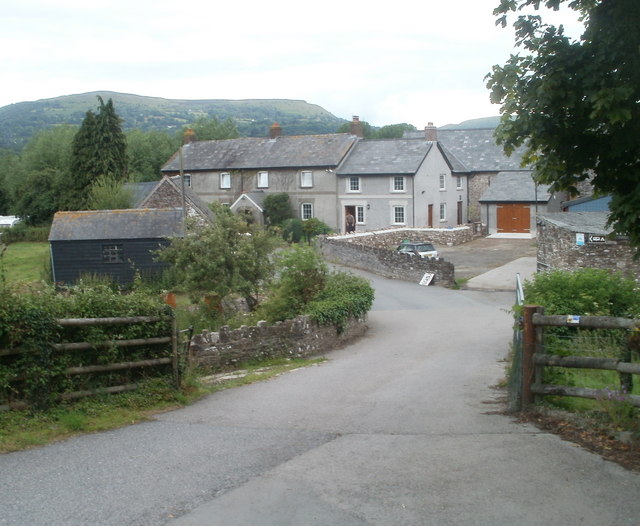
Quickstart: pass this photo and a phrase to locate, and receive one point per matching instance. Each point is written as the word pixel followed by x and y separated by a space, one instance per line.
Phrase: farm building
pixel 114 243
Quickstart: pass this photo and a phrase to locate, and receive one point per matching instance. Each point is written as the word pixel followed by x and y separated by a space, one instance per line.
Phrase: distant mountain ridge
pixel 253 117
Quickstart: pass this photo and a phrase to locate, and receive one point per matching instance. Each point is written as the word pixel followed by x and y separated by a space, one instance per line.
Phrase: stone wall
pixel 297 338
pixel 386 261
pixel 390 238
pixel 557 249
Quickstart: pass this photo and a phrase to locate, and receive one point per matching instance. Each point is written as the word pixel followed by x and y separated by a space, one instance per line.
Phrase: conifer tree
pixel 99 149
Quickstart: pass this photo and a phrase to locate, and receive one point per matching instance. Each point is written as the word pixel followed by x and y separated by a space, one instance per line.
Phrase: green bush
pixel 292 230
pixel 584 292
pixel 277 209
pixel 301 275
pixel 344 296
pixel 28 326
pixel 22 232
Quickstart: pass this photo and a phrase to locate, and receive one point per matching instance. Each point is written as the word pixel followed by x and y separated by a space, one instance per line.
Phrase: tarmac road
pixel 400 428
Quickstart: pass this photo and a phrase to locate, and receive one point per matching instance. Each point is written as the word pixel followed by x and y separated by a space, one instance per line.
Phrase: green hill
pixel 253 117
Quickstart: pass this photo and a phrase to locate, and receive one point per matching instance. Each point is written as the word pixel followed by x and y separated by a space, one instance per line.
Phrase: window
pixel 306 179
pixel 112 254
pixel 187 180
pixel 225 180
pixel 443 211
pixel 306 211
pixel 263 179
pixel 443 182
pixel 353 184
pixel 458 182
pixel 360 215
pixel 397 184
pixel 398 215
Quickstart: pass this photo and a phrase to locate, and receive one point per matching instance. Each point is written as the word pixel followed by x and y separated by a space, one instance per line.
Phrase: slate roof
pixel 385 157
pixel 140 191
pixel 515 187
pixel 139 223
pixel 255 198
pixel 586 222
pixel 248 153
pixel 475 149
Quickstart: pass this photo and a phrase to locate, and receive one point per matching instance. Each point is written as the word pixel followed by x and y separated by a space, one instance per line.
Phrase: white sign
pixel 579 239
pixel 426 279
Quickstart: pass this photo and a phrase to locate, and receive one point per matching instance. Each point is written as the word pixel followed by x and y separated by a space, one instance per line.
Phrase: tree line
pixel 68 167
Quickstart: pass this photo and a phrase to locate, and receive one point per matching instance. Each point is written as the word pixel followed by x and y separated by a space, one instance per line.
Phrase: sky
pixel 411 61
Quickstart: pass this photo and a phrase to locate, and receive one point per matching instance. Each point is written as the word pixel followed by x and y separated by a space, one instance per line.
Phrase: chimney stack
pixel 189 136
pixel 430 132
pixel 275 130
pixel 356 127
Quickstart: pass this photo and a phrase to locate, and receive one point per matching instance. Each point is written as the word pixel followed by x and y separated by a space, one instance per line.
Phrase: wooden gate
pixel 513 218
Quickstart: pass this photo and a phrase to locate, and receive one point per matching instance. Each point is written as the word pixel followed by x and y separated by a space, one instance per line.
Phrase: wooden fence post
pixel 530 338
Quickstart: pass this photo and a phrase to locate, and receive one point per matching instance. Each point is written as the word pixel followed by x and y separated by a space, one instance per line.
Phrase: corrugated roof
pixel 140 223
pixel 515 187
pixel 262 152
pixel 385 157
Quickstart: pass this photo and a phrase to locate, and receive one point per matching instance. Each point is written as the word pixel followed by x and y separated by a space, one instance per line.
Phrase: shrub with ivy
pixel 31 369
pixel 584 292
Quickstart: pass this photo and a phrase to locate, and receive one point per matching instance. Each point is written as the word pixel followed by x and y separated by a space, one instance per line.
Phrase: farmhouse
pixel 113 243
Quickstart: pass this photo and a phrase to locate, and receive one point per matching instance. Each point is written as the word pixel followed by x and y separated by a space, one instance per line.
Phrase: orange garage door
pixel 513 217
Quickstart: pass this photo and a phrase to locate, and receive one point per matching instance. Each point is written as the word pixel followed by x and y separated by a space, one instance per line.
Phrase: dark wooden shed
pixel 114 243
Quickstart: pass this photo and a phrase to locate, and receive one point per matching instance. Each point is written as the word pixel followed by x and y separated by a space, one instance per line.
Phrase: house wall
pixel 378 200
pixel 72 259
pixel 557 249
pixel 427 191
pixel 477 185
pixel 322 195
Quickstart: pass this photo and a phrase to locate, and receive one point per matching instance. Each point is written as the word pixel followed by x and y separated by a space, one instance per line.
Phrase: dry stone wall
pixel 376 253
pixel 557 249
pixel 297 338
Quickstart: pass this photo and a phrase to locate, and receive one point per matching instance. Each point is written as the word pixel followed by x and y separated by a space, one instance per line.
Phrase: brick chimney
pixel 356 127
pixel 189 136
pixel 430 132
pixel 275 130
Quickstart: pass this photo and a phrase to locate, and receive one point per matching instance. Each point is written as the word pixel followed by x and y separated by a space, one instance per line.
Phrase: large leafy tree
pixel 228 257
pixel 211 128
pixel 575 104
pixel 147 152
pixel 99 148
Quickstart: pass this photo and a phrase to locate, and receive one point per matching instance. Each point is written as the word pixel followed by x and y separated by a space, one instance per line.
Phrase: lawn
pixel 25 261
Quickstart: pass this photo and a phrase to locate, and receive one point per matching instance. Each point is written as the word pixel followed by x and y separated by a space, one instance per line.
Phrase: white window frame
pixel 309 207
pixel 394 215
pixel 443 182
pixel 354 188
pixel 187 180
pixel 263 180
pixel 225 180
pixel 360 217
pixel 443 212
pixel 306 179
pixel 459 182
pixel 395 188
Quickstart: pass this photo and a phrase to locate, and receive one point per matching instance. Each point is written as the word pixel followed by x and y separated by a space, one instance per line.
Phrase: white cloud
pixel 409 61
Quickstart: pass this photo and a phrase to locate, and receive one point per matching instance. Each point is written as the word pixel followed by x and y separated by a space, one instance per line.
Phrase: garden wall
pixel 297 338
pixel 376 253
pixel 392 237
pixel 557 249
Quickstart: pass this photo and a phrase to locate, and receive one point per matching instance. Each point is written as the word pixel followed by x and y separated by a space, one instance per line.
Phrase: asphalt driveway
pixel 401 428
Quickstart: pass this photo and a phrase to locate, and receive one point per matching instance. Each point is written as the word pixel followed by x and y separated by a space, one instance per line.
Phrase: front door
pixel 459 212
pixel 349 219
pixel 430 216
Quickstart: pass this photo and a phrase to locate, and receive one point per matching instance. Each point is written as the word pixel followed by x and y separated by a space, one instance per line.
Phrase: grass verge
pixel 26 429
pixel 25 261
